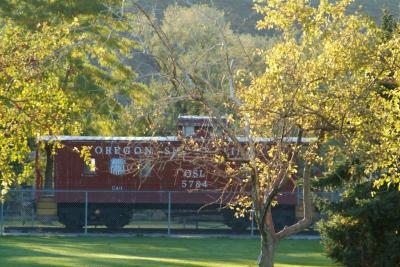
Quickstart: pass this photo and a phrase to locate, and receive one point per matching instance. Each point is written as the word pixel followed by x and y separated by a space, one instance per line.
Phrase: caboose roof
pixel 108 138
pixel 159 139
pixel 195 120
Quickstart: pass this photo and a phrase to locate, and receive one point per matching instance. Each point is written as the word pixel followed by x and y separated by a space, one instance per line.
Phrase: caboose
pixel 123 174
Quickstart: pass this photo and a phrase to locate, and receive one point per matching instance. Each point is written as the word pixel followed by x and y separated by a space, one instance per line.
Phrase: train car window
pixel 117 166
pixel 90 169
pixel 188 130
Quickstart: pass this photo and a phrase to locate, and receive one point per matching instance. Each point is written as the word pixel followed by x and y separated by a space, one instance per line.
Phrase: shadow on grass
pixel 143 251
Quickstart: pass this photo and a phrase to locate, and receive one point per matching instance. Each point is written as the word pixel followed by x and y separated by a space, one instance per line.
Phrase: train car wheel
pixel 73 217
pixel 117 219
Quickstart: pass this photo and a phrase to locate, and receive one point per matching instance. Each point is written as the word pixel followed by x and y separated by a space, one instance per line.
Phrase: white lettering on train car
pixel 138 150
pixel 194 179
pixel 127 150
pixel 116 188
pixel 98 150
pixel 194 184
pixel 195 173
pixel 148 150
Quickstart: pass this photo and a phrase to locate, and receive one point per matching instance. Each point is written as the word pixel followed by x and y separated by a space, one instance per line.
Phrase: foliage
pixel 202 41
pixel 238 13
pixel 324 77
pixel 389 24
pixel 344 174
pixel 242 17
pixel 96 70
pixel 31 100
pixel 89 65
pixel 363 229
pixel 323 80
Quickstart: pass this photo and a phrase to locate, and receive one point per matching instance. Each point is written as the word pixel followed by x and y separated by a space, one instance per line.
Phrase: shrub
pixel 362 229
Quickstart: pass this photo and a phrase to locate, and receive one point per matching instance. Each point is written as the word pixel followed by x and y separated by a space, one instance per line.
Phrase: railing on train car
pixel 134 212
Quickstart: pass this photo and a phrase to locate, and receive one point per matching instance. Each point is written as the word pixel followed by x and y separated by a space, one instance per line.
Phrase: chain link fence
pixel 135 212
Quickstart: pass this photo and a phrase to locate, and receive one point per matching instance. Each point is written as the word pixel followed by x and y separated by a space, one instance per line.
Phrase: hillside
pixel 243 18
pixel 374 7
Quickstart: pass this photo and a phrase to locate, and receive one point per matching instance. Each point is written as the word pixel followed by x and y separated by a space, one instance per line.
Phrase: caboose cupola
pixel 194 125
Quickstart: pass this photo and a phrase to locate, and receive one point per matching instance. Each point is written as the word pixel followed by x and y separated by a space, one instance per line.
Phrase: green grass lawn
pixel 148 251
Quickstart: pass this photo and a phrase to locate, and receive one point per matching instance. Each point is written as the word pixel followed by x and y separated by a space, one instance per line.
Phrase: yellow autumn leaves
pixel 324 77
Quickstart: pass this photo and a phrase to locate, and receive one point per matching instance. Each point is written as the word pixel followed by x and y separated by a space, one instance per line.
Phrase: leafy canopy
pixel 201 56
pixel 31 100
pixel 324 78
pixel 97 70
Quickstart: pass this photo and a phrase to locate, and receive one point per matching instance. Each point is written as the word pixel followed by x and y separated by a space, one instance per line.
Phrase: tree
pixel 203 41
pixel 97 69
pixel 31 100
pixel 321 81
pixel 389 24
pixel 94 70
pixel 362 228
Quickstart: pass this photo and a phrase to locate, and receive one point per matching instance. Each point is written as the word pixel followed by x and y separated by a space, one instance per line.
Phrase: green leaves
pixel 199 58
pixel 361 230
pixel 31 101
pixel 95 66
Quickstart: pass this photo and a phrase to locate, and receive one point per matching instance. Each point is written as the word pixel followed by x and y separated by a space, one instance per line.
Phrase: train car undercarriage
pixel 115 216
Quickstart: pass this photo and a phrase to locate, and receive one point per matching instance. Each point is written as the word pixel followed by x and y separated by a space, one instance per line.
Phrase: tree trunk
pixel 266 258
pixel 48 175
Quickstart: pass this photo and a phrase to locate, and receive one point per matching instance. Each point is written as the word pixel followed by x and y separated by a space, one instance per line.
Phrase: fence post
pixel 252 222
pixel 169 213
pixel 33 201
pixel 1 217
pixel 86 211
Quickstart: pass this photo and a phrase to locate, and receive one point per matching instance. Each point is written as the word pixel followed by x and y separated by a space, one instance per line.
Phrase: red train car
pixel 128 173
